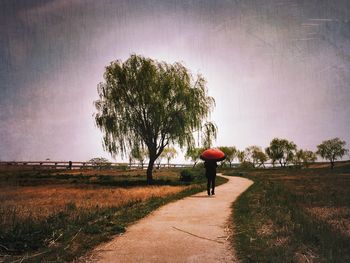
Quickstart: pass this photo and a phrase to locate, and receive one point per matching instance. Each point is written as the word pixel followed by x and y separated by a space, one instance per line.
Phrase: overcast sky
pixel 276 68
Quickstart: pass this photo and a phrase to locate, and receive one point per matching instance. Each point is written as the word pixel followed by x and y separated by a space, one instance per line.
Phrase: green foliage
pixel 169 153
pixel 209 133
pixel 138 154
pixel 194 154
pixel 186 175
pixel 241 155
pixel 260 158
pixel 230 152
pixel 146 102
pixel 100 161
pixel 246 165
pixel 255 156
pixel 332 150
pixel 281 150
pixel 304 157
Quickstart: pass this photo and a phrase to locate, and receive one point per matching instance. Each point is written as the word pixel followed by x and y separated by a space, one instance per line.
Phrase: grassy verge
pixel 73 231
pixel 294 216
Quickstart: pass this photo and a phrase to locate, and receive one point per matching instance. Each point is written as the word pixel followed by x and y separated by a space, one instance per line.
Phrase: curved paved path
pixel 194 229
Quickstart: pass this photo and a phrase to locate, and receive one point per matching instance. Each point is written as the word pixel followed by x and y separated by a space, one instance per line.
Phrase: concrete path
pixel 194 229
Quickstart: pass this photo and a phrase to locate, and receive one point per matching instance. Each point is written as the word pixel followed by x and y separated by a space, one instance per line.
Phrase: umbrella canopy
pixel 213 155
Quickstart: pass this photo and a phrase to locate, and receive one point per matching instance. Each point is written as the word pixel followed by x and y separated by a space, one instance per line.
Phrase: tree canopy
pixel 332 150
pixel 304 157
pixel 144 102
pixel 255 156
pixel 169 153
pixel 230 152
pixel 194 154
pixel 99 161
pixel 241 156
pixel 281 150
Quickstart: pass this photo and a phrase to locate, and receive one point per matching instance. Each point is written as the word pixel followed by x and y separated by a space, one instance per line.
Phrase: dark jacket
pixel 210 168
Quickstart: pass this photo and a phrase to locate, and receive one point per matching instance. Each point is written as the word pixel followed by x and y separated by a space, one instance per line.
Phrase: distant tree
pixel 230 152
pixel 100 161
pixel 298 157
pixel 255 155
pixel 168 154
pixel 139 154
pixel 308 157
pixel 304 157
pixel 281 150
pixel 242 157
pixel 159 161
pixel 250 154
pixel 150 103
pixel 332 150
pixel 194 155
pixel 260 157
pixel 273 155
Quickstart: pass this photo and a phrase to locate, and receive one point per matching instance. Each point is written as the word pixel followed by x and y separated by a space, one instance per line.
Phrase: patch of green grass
pixel 272 222
pixel 64 236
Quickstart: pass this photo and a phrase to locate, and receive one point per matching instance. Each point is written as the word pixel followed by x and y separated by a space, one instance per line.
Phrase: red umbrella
pixel 213 154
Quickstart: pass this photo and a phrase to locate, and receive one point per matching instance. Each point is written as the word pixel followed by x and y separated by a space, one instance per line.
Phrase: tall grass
pixel 274 223
pixel 42 201
pixel 60 222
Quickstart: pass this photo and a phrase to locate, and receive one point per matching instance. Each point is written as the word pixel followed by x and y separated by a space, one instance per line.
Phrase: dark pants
pixel 211 183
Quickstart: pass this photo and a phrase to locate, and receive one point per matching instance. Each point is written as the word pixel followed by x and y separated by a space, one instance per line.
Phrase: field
pixel 58 215
pixel 294 215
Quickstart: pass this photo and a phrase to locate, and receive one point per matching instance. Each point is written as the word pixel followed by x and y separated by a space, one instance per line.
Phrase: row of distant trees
pixel 280 151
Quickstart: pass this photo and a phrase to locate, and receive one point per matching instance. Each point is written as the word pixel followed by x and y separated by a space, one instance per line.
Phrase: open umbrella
pixel 213 154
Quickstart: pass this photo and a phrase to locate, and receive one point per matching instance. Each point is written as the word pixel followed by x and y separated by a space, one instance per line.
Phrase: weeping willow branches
pixel 151 104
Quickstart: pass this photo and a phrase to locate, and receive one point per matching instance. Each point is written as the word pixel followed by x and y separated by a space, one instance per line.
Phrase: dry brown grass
pixel 337 217
pixel 42 201
pixel 267 229
pixel 114 172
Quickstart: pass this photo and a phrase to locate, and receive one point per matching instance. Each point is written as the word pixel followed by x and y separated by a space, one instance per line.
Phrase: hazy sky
pixel 276 68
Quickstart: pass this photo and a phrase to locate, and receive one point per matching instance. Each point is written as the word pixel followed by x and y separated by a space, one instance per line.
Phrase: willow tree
pixel 332 150
pixel 146 103
pixel 169 153
pixel 281 150
pixel 230 152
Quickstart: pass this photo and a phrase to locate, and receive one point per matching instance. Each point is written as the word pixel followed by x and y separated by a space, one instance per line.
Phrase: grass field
pixel 55 216
pixel 294 215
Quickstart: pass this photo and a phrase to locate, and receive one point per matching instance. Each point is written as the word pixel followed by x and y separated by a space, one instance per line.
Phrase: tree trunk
pixel 150 170
pixel 332 164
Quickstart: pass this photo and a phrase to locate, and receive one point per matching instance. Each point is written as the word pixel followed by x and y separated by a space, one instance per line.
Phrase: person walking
pixel 210 173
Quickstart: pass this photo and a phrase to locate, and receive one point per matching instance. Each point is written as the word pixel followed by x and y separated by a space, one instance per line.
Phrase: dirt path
pixel 194 229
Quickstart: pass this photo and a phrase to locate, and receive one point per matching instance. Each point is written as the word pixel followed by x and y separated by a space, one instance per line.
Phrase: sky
pixel 276 68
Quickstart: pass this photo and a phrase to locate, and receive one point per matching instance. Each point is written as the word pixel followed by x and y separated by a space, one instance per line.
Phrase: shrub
pixel 246 165
pixel 186 175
